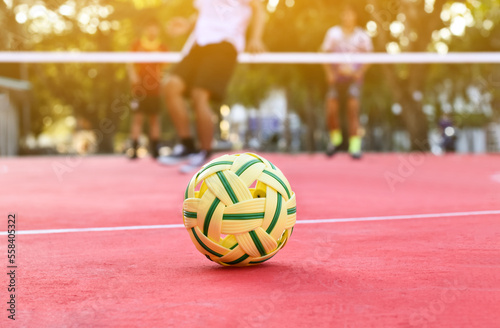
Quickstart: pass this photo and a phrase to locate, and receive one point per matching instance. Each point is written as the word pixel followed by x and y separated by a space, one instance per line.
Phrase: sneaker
pixel 155 149
pixel 331 150
pixel 355 147
pixel 335 142
pixel 356 156
pixel 196 161
pixel 179 154
pixel 132 152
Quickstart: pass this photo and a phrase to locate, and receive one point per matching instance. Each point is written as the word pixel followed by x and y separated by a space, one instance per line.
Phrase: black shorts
pixel 148 105
pixel 208 67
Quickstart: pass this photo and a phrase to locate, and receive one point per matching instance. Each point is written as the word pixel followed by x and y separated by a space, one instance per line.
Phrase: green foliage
pixel 88 90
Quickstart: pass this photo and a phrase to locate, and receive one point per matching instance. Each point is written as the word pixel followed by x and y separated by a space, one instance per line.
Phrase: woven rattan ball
pixel 239 210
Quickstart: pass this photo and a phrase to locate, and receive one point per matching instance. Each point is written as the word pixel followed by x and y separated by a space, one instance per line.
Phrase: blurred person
pixel 345 80
pixel 219 34
pixel 84 140
pixel 448 134
pixel 145 79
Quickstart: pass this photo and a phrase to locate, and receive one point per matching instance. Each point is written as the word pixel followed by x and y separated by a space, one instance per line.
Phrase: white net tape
pixel 265 58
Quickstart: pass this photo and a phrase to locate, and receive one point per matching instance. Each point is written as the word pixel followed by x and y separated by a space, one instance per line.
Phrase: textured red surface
pixel 435 272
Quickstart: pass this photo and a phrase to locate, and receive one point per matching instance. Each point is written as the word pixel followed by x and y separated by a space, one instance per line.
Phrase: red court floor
pixel 422 250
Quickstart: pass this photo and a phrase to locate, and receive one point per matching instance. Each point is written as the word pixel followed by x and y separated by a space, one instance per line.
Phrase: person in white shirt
pixel 345 80
pixel 219 34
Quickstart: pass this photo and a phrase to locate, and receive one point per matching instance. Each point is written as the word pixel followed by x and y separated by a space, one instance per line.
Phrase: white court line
pixel 50 231
pixel 401 217
pixel 176 226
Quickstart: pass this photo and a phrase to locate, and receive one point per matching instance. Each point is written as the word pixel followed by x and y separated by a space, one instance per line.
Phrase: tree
pixel 396 26
pixel 408 81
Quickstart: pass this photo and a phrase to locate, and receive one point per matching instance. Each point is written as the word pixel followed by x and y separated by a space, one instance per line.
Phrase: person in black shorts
pixel 203 75
pixel 145 79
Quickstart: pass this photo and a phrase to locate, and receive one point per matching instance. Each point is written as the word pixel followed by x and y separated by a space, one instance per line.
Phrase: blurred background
pixel 84 108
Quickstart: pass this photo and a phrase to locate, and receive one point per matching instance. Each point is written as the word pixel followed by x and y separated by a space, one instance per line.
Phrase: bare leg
pixel 333 123
pixel 174 90
pixel 353 116
pixel 154 127
pixel 154 135
pixel 136 128
pixel 355 143
pixel 204 118
pixel 332 114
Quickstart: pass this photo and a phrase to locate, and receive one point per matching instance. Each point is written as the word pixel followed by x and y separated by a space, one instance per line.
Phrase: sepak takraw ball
pixel 239 210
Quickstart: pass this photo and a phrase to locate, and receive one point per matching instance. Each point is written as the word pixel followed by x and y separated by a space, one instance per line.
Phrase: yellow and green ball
pixel 239 210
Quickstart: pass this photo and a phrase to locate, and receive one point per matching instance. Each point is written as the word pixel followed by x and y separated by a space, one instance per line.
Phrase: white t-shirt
pixel 358 42
pixel 337 41
pixel 222 20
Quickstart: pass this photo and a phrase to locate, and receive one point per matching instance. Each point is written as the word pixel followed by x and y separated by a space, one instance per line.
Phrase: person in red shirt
pixel 145 79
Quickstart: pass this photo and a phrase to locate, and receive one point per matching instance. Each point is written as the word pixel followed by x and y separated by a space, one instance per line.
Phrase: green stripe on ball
pixel 271 174
pixel 243 216
pixel 242 169
pixel 257 243
pixel 205 247
pixel 190 215
pixel 241 259
pixel 276 214
pixel 214 164
pixel 228 187
pixel 210 213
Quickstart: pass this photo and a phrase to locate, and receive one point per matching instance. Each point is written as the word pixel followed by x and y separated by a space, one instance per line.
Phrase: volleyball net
pixel 74 87
pixel 264 58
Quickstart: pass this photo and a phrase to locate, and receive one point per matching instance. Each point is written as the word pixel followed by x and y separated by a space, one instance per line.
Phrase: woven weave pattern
pixel 243 212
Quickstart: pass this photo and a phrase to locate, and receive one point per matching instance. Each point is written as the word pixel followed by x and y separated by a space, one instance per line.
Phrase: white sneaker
pixel 195 162
pixel 179 154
